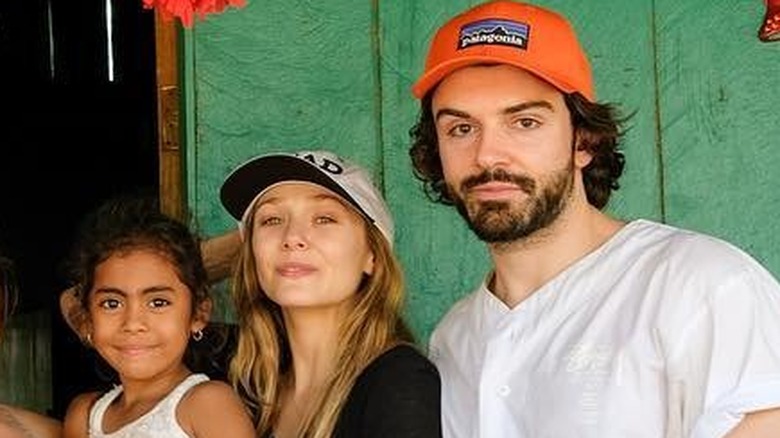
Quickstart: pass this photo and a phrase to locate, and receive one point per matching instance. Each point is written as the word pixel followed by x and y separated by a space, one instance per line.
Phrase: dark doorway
pixel 77 86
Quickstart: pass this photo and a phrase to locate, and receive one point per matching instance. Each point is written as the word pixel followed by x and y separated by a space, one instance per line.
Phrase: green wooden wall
pixel 702 148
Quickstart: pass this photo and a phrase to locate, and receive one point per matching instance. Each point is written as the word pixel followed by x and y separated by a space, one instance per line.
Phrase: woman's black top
pixel 398 395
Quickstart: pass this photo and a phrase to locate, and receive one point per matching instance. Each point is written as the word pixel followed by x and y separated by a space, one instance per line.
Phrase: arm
pixel 21 423
pixel 762 424
pixel 76 423
pixel 219 253
pixel 730 353
pixel 212 409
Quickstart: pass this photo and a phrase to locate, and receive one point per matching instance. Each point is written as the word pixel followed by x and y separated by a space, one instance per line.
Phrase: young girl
pixel 323 351
pixel 143 291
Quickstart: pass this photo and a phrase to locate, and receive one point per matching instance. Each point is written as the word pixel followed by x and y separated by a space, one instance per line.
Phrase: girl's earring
pixel 88 339
pixel 197 336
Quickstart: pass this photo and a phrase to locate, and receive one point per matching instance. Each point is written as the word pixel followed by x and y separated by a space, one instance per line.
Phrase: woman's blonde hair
pixel 262 363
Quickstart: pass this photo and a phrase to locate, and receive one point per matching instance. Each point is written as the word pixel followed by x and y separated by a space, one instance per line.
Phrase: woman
pixel 323 350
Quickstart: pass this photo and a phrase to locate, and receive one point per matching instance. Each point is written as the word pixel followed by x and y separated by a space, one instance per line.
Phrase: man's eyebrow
pixel 528 105
pixel 451 112
pixel 510 110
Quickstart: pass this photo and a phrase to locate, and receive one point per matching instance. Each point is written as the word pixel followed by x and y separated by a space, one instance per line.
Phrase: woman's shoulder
pixel 401 362
pixel 398 394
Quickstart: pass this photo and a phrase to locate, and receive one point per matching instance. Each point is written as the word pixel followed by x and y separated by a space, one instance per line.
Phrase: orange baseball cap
pixel 533 38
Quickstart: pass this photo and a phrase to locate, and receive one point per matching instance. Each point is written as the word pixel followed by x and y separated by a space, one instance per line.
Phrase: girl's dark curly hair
pixel 597 127
pixel 124 224
pixel 128 223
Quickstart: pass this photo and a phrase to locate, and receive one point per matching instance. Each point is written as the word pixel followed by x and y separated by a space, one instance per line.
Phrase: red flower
pixel 770 27
pixel 186 10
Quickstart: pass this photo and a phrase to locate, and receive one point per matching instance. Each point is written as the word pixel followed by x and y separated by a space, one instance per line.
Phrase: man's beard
pixel 508 221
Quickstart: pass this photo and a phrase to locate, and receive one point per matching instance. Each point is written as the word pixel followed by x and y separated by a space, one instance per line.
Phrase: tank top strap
pixel 98 409
pixel 159 421
pixel 173 398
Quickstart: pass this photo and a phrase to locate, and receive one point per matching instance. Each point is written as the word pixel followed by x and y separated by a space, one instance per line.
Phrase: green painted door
pixel 702 147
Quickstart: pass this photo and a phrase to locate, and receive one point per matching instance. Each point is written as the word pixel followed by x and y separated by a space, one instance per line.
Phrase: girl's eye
pixel 109 304
pixel 159 302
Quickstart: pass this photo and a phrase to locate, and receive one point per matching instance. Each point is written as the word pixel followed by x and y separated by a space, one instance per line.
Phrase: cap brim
pixel 433 77
pixel 249 180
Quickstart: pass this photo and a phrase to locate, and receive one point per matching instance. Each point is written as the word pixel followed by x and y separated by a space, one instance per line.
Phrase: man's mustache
pixel 525 183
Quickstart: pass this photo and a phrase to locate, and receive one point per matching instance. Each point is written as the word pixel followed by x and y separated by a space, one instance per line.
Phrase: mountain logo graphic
pixel 494 32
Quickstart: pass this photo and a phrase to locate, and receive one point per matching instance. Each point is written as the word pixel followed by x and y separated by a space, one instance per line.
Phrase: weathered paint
pixel 304 74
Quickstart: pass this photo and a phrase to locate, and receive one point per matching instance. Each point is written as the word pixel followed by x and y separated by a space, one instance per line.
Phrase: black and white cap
pixel 249 181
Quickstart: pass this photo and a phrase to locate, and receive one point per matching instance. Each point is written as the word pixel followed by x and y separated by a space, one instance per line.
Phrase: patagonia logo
pixel 494 32
pixel 324 163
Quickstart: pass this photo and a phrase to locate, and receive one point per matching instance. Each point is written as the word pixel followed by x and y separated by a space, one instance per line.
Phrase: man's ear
pixel 73 313
pixel 583 141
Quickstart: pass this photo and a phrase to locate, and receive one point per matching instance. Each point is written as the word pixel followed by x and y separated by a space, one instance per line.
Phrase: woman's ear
pixel 368 268
pixel 73 313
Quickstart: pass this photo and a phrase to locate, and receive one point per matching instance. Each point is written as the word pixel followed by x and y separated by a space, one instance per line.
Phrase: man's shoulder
pixel 698 263
pixel 463 306
pixel 675 243
pixel 459 317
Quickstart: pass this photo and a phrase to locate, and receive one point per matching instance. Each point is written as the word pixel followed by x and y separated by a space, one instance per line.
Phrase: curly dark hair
pixel 127 223
pixel 598 130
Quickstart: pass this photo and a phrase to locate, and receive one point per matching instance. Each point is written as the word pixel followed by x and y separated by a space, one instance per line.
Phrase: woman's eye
pixel 324 220
pixel 159 302
pixel 110 304
pixel 270 220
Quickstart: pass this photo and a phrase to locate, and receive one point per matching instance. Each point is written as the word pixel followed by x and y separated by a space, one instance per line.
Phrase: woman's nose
pixel 294 244
pixel 295 237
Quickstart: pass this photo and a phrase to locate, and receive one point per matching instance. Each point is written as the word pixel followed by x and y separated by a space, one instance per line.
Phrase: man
pixel 587 326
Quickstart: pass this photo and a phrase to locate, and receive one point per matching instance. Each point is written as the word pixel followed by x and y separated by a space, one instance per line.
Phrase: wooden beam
pixel 172 199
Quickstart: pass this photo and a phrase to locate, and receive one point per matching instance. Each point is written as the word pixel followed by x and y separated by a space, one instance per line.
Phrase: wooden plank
pixel 168 129
pixel 720 127
pixel 26 361
pixel 617 35
pixel 442 259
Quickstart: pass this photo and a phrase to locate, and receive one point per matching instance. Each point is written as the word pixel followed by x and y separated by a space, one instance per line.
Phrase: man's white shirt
pixel 660 332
